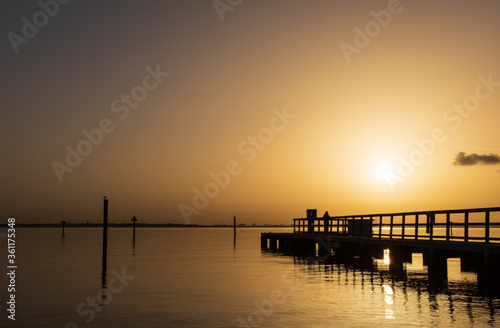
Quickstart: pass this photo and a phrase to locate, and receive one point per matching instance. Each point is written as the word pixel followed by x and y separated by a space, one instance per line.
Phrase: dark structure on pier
pixel 473 235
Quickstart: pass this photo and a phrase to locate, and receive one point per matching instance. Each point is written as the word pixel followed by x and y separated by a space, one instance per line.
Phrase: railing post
pixel 430 225
pixel 361 225
pixel 403 221
pixel 448 226
pixel 466 227
pixel 390 228
pixel 380 227
pixel 371 225
pixel 416 226
pixel 487 227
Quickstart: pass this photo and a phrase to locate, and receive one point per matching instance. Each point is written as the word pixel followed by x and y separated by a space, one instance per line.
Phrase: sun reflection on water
pixel 388 292
pixel 386 256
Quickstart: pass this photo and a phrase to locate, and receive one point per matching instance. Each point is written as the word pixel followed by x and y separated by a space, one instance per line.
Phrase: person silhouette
pixel 326 221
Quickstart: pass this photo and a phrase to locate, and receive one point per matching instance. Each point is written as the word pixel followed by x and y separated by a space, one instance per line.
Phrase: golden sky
pixel 195 111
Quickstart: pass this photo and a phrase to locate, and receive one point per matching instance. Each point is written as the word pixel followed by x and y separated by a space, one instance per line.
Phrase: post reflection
pixel 103 273
pixel 451 309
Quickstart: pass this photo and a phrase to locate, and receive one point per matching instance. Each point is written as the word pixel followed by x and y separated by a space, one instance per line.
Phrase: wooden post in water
pixel 63 223
pixel 104 242
pixel 133 224
pixel 234 230
pixel 105 223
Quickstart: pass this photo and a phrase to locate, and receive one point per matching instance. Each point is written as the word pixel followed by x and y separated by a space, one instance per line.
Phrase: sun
pixel 385 169
pixel 384 173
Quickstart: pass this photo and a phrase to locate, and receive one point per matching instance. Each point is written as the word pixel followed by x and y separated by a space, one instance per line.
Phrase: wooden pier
pixel 473 235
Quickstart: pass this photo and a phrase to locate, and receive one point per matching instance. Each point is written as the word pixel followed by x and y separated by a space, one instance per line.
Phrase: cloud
pixel 475 159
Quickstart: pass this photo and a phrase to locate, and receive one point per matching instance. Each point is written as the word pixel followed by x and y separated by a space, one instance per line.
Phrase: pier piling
pixel 438 270
pixel 396 262
pixel 488 274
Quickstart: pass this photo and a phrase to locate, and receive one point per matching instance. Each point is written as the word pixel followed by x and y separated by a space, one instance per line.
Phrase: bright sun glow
pixel 384 172
pixel 384 169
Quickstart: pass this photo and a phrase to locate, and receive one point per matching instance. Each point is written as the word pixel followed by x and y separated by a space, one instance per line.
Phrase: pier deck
pixel 473 235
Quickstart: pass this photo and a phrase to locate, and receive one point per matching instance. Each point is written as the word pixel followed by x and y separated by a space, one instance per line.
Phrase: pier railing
pixel 466 225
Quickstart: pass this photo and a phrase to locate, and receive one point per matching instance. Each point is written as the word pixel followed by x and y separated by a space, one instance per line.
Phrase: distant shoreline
pixel 141 225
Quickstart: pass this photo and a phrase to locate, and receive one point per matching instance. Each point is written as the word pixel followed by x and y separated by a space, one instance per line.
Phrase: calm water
pixel 198 278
